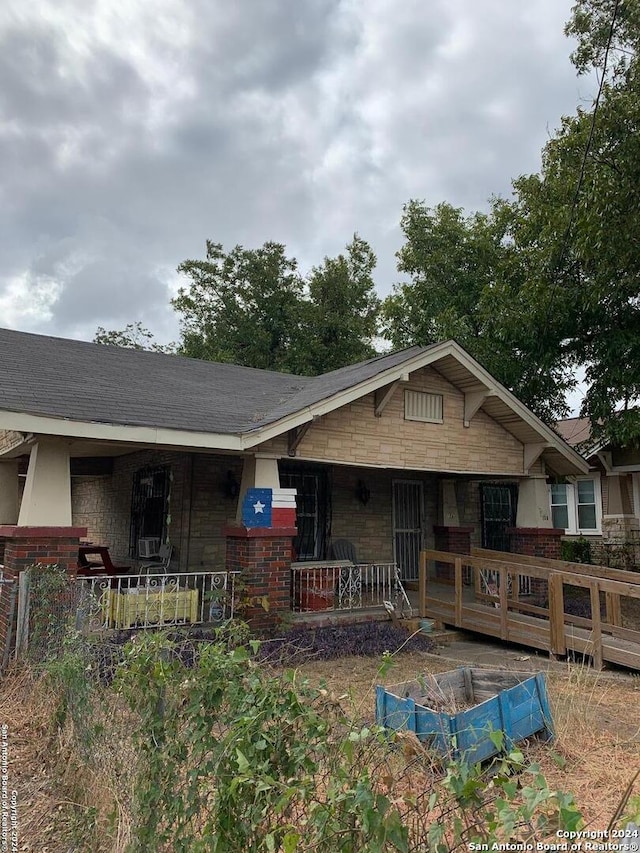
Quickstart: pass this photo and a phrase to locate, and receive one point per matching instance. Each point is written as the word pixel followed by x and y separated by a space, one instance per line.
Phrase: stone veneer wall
pixel 370 527
pixel 211 510
pixel 198 507
pixel 354 436
pixel 103 504
pixel 9 439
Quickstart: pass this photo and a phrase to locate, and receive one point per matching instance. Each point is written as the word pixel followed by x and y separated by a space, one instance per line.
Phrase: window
pixel 419 406
pixel 576 507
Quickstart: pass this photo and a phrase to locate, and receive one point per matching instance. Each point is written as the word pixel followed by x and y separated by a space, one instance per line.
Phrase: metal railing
pixel 343 586
pixel 154 600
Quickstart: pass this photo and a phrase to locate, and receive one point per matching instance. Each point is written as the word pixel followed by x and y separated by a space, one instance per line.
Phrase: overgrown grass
pixel 198 746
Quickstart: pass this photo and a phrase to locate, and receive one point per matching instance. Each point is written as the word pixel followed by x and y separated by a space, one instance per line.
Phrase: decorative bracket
pixel 606 458
pixel 531 453
pixel 383 395
pixel 472 402
pixel 295 436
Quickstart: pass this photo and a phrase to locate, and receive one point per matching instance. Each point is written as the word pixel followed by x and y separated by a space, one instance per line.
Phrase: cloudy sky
pixel 131 131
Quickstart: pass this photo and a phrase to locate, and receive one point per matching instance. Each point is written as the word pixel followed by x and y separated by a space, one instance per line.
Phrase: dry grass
pixel 596 717
pixel 64 806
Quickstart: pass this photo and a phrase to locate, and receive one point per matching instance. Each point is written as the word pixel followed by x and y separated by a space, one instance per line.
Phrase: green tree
pixel 469 281
pixel 242 306
pixel 253 307
pixel 133 336
pixel 549 280
pixel 341 311
pixel 584 209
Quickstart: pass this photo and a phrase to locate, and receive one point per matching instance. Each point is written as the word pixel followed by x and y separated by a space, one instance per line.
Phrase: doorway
pixel 408 505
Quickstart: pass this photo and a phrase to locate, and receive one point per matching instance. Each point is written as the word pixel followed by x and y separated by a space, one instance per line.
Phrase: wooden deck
pixel 480 593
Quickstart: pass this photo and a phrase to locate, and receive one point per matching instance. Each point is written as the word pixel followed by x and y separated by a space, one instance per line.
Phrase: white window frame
pixel 572 506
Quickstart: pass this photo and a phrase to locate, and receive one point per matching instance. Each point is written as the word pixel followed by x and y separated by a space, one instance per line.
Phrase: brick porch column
pixel 45 546
pixel 536 541
pixel 263 556
pixel 29 546
pixel 454 539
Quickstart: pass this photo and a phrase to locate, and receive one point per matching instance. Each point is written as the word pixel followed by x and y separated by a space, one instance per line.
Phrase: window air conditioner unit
pixel 149 547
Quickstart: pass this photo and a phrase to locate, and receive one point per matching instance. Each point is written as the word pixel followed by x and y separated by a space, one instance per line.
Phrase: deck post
pixel 504 606
pixel 614 613
pixel 422 585
pixel 556 615
pixel 458 601
pixel 596 626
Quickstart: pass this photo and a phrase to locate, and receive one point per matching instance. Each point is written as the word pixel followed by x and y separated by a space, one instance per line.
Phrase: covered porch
pixel 362 528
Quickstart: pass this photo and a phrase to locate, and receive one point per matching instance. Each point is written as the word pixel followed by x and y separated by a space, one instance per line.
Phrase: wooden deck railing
pixel 461 596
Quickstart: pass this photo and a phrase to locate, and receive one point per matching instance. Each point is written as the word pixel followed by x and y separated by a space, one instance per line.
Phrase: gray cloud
pixel 130 133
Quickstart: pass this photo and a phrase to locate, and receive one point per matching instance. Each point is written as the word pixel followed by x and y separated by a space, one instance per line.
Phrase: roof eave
pixel 143 435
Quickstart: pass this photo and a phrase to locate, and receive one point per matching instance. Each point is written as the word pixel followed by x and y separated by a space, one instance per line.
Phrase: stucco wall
pixel 353 435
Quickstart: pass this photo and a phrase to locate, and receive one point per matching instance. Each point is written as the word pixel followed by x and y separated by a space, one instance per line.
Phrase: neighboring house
pixel 414 449
pixel 603 505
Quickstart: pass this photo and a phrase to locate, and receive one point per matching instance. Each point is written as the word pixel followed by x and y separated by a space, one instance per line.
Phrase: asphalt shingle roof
pixel 76 380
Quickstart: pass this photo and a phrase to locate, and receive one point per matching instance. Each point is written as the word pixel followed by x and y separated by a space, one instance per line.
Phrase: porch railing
pixel 341 586
pixel 153 601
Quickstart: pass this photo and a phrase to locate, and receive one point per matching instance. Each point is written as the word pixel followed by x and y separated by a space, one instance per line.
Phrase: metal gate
pixel 408 504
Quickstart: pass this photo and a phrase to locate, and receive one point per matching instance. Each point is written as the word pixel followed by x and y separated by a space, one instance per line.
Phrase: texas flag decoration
pixel 269 508
pixel 283 508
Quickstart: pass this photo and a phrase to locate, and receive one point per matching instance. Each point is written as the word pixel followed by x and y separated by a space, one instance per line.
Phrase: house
pixel 418 448
pixel 602 506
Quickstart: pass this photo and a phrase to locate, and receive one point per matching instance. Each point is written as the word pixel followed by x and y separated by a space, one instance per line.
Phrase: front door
pixel 408 504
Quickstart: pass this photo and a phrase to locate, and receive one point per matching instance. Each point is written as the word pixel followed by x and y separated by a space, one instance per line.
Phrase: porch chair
pixel 163 562
pixel 350 581
pixel 343 549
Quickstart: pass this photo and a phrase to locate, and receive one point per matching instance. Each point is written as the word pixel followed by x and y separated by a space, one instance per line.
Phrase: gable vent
pixel 420 406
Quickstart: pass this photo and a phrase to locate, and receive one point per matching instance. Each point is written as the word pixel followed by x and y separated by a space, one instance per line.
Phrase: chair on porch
pixel 161 565
pixel 343 549
pixel 349 579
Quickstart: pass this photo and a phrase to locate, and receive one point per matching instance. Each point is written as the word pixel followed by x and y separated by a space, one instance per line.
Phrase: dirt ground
pixel 596 715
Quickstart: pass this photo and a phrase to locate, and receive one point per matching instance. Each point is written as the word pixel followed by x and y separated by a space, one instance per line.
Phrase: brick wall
pixel 211 510
pixel 537 541
pixel 352 434
pixel 263 557
pixel 21 553
pixel 370 527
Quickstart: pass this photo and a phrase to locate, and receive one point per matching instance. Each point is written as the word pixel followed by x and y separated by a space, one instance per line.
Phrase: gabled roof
pixel 62 387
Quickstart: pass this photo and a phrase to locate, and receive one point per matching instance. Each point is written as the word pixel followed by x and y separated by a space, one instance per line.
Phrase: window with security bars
pixel 498 505
pixel 149 506
pixel 421 406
